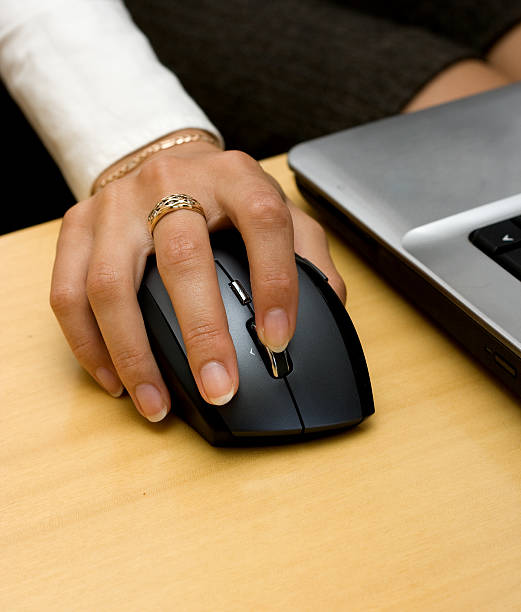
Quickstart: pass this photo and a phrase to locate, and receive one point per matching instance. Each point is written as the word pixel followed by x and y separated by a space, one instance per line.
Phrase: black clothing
pixel 271 74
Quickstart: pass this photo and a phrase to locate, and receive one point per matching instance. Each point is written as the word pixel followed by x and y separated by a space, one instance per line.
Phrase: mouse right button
pixel 325 381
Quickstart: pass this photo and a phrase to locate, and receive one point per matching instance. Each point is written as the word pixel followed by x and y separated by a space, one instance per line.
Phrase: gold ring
pixel 176 201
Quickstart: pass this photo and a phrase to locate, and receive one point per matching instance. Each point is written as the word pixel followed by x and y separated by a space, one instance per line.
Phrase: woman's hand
pixel 104 243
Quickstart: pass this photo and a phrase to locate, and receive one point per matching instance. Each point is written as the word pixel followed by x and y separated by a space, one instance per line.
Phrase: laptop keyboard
pixel 502 242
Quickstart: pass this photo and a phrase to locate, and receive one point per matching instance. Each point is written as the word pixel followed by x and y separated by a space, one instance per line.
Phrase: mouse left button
pixel 262 407
pixel 152 281
pixel 327 380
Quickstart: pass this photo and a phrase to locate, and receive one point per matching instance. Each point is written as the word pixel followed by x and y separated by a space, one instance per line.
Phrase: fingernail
pixel 217 383
pixel 109 382
pixel 151 404
pixel 276 329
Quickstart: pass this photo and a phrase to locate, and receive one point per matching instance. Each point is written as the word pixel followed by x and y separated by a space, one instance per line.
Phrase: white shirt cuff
pixel 90 84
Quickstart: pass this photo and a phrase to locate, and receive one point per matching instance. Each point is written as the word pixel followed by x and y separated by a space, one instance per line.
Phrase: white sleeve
pixel 89 82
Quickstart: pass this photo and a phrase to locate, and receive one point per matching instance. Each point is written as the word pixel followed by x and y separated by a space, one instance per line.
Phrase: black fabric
pixel 271 74
pixel 474 24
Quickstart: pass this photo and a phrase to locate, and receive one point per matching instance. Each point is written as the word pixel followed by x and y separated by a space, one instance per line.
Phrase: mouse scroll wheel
pixel 240 292
pixel 277 364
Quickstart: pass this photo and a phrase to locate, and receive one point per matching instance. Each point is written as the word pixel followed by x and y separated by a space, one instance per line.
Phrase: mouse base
pixel 259 441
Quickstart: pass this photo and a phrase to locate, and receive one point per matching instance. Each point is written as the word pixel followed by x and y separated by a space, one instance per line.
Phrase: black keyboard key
pixel 511 260
pixel 497 238
pixel 517 220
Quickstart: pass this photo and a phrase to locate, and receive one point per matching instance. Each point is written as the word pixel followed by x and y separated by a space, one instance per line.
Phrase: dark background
pixel 33 188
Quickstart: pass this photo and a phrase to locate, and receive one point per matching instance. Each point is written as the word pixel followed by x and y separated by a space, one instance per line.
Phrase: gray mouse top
pixel 319 385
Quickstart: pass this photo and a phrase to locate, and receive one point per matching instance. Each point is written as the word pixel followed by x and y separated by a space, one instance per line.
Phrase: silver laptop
pixel 433 200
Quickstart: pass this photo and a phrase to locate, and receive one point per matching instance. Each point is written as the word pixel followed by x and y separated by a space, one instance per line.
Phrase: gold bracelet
pixel 158 145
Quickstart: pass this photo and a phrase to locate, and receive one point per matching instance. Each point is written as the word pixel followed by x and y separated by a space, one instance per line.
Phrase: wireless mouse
pixel 318 385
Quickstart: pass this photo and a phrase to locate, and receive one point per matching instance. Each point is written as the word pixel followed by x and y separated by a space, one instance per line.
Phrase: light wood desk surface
pixel 418 509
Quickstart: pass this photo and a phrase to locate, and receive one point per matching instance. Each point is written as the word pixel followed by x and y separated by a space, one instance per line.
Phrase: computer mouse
pixel 318 385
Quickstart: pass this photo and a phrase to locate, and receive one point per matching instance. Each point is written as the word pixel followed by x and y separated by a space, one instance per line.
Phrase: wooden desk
pixel 418 509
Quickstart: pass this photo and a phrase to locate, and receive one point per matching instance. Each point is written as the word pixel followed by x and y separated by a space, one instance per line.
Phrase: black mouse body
pixel 320 384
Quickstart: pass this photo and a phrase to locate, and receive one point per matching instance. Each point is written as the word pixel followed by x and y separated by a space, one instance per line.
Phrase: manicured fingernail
pixel 109 382
pixel 276 329
pixel 217 383
pixel 151 404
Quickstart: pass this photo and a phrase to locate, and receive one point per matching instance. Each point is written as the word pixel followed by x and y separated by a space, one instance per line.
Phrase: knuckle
pixel 129 359
pixel 64 298
pixel 70 216
pixel 277 281
pixel 103 282
pixel 234 160
pixel 180 248
pixel 74 215
pixel 268 210
pixel 110 195
pixel 82 347
pixel 203 334
pixel 157 170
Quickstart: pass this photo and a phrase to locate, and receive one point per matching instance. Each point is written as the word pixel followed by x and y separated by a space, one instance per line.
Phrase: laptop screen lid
pixel 417 186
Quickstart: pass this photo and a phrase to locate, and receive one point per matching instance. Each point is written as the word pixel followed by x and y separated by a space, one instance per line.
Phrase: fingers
pixel 258 208
pixel 101 256
pixel 71 306
pixel 113 275
pixel 186 264
pixel 311 243
pixel 93 295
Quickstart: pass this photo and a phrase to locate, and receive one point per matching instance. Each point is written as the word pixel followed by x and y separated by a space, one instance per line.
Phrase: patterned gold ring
pixel 176 201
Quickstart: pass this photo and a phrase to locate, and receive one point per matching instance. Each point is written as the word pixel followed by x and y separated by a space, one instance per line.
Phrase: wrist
pixel 185 142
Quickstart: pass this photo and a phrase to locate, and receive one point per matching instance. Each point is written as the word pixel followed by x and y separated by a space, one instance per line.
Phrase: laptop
pixel 433 201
